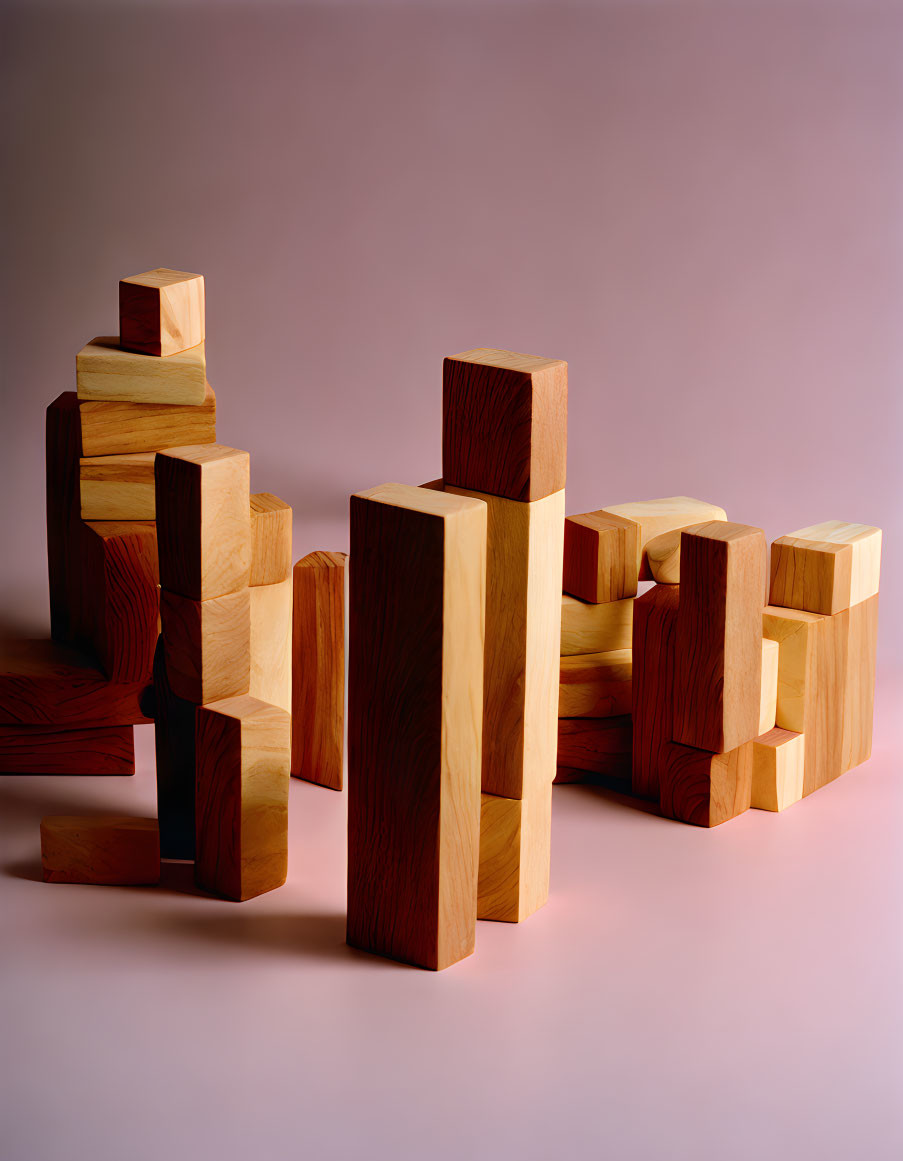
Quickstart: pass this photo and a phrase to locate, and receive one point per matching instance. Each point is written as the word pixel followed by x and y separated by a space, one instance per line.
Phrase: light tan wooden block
pixel 795 633
pixel 113 427
pixel 271 539
pixel 600 555
pixel 161 312
pixel 241 810
pixel 117 487
pixel 203 520
pixel 778 764
pixel 107 849
pixel 859 691
pixel 588 628
pixel 208 645
pixel 515 853
pixel 595 685
pixel 663 557
pixel 814 576
pixel 271 643
pixel 865 570
pixel 103 370
pixel 653 517
pixel 769 696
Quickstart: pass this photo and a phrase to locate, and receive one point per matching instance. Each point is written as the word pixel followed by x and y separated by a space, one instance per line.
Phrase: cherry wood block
pixel 63 452
pixel 595 685
pixel 653 517
pixel 271 539
pixel 204 520
pixel 161 312
pixel 589 628
pixel 415 697
pixel 515 854
pixel 208 645
pixel 103 370
pixel 718 676
pixel 504 423
pixel 595 746
pixel 865 563
pixel 56 750
pixel 174 738
pixel 271 643
pixel 768 702
pixel 107 849
pixel 117 487
pixel 114 427
pixel 702 788
pixel 600 555
pixel 815 576
pixel 652 693
pixel 778 765
pixel 318 668
pixel 859 691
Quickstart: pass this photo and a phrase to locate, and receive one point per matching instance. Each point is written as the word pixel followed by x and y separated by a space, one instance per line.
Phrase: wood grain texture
pixel 271 539
pixel 117 487
pixel 718 654
pixel 589 628
pixel 865 568
pixel 103 370
pixel 318 668
pixel 778 763
pixel 768 698
pixel 415 698
pixel 600 553
pixel 204 520
pixel 271 643
pixel 57 750
pixel 705 789
pixel 208 645
pixel 106 849
pixel 161 312
pixel 114 427
pixel 653 517
pixel 594 746
pixel 515 855
pixel 796 634
pixel 174 741
pixel 62 454
pixel 241 809
pixel 662 557
pixel 595 685
pixel 652 692
pixel 859 690
pixel 815 576
pixel 504 423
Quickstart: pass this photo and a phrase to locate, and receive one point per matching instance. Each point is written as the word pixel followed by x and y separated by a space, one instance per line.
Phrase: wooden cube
pixel 113 427
pixel 865 563
pixel 653 517
pixel 271 539
pixel 595 685
pixel 208 645
pixel 271 643
pixel 589 628
pixel 600 557
pixel 108 750
pixel 600 746
pixel 161 312
pixel 117 487
pixel 515 853
pixel 652 686
pixel 103 370
pixel 778 763
pixel 107 849
pixel 702 788
pixel 768 701
pixel 815 577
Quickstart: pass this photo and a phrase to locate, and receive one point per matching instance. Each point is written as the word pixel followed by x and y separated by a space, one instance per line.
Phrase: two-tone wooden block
pixel 595 685
pixel 600 557
pixel 119 487
pixel 702 788
pixel 208 645
pixel 161 312
pixel 107 849
pixel 271 540
pixel 271 643
pixel 115 427
pixel 778 765
pixel 104 370
pixel 652 686
pixel 826 568
pixel 107 750
pixel 594 746
pixel 515 853
pixel 591 628
pixel 654 517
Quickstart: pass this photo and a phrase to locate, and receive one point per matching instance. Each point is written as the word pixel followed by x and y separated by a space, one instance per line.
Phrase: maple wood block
pixel 600 554
pixel 859 689
pixel 662 557
pixel 318 668
pixel 241 808
pixel 515 853
pixel 796 633
pixel 702 788
pixel 594 745
pixel 56 750
pixel 204 520
pixel 778 763
pixel 589 628
pixel 415 697
pixel 161 312
pixel 504 423
pixel 813 576
pixel 107 849
pixel 653 517
pixel 523 641
pixel 865 565
pixel 595 685
pixel 768 702
pixel 174 738
pixel 103 370
pixel 271 643
pixel 652 692
pixel 114 427
pixel 718 676
pixel 63 451
pixel 271 539
pixel 117 487
pixel 208 645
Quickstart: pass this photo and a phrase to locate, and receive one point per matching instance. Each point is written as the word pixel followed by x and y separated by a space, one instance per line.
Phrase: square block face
pixel 117 487
pixel 600 554
pixel 591 628
pixel 103 370
pixel 813 576
pixel 778 765
pixel 271 539
pixel 504 428
pixel 653 517
pixel 865 566
pixel 161 312
pixel 208 645
pixel 108 850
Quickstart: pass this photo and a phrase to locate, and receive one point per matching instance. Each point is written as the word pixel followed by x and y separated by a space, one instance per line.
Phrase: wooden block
pixel 796 634
pixel 107 849
pixel 63 451
pixel 663 557
pixel 588 628
pixel 113 427
pixel 271 539
pixel 44 683
pixel 415 695
pixel 653 517
pixel 865 566
pixel 504 423
pixel 768 702
pixel 859 692
pixel 174 738
pixel 58 750
pixel 103 370
pixel 523 641
pixel 318 668
pixel 702 788
pixel 594 745
pixel 600 555
pixel 271 643
pixel 242 797
pixel 813 576
pixel 204 520
pixel 718 676
pixel 595 685
pixel 652 693
pixel 117 487
pixel 778 762
pixel 208 645
pixel 515 853
pixel 161 312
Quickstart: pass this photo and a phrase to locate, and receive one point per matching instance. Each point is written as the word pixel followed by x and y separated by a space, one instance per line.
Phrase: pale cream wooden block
pixel 515 853
pixel 271 643
pixel 768 703
pixel 795 632
pixel 653 517
pixel 866 542
pixel 103 370
pixel 778 764
pixel 663 557
pixel 119 487
pixel 587 628
pixel 595 685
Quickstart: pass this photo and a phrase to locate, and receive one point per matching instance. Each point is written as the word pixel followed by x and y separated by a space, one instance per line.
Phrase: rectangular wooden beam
pixel 104 370
pixel 107 750
pixel 652 688
pixel 114 427
pixel 515 854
